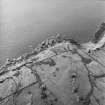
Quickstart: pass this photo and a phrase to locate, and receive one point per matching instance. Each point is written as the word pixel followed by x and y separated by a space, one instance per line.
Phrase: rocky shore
pixel 60 71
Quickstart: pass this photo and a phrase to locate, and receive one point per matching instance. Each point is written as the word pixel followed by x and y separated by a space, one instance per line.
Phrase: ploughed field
pixel 59 71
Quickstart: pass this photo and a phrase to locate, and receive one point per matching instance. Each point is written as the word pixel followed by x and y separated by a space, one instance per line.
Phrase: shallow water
pixel 28 22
